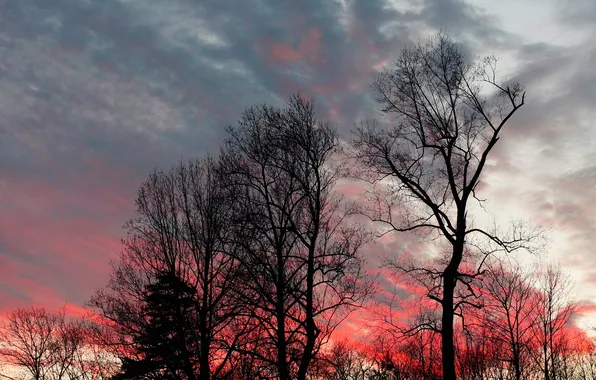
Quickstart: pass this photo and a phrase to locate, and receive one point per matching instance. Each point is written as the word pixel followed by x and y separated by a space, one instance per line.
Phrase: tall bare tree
pixel 447 115
pixel 303 269
pixel 175 278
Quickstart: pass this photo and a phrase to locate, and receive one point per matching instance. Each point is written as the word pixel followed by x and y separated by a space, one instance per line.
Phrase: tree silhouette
pixel 46 345
pixel 553 311
pixel 447 116
pixel 510 314
pixel 299 254
pixel 182 239
pixel 165 343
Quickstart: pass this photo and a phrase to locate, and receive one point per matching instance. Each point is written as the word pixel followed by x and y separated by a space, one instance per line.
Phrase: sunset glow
pixel 96 94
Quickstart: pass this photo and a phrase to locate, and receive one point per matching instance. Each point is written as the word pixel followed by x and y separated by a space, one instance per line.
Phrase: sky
pixel 94 94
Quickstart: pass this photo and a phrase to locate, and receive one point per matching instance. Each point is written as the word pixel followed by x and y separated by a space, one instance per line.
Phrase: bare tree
pixel 344 361
pixel 302 264
pixel 95 361
pixel 176 277
pixel 448 115
pixel 509 307
pixel 585 360
pixel 49 346
pixel 403 357
pixel 475 352
pixel 553 313
pixel 29 340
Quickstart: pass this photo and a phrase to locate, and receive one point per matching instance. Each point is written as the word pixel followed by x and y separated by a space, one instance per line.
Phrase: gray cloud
pixel 94 94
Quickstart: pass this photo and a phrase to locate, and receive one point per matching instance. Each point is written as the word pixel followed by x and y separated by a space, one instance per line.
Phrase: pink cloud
pixel 57 239
pixel 309 49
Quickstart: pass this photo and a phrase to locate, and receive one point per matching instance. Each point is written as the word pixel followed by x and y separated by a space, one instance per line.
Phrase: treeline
pixel 49 345
pixel 522 329
pixel 242 265
pixel 239 266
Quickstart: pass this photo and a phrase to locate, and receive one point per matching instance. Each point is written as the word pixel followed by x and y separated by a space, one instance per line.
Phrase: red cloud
pixel 57 239
pixel 309 49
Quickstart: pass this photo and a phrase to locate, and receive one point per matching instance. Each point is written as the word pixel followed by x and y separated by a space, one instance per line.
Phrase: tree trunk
pixel 449 282
pixel 204 370
pixel 517 363
pixel 282 356
pixel 311 327
pixel 204 362
pixel 447 344
pixel 281 347
pixel 546 371
pixel 551 338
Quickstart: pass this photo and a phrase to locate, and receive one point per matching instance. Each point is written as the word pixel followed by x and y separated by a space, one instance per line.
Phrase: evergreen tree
pixel 166 344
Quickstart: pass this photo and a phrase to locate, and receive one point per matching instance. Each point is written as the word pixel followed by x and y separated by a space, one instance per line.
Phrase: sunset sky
pixel 94 94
